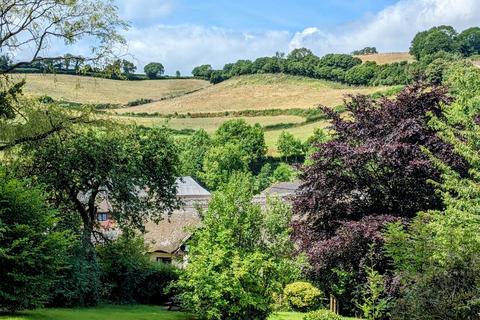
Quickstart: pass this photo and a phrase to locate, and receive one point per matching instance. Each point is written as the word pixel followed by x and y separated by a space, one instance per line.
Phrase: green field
pixel 136 312
pixel 132 312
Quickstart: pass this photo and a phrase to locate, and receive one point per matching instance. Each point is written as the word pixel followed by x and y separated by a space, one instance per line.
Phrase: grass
pixel 125 312
pixel 208 124
pixel 98 90
pixel 384 58
pixel 257 92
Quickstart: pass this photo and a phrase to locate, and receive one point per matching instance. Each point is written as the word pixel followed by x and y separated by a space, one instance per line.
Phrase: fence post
pixel 334 307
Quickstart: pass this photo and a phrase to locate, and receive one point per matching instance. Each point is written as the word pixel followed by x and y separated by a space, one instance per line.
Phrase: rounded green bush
pixel 322 315
pixel 302 296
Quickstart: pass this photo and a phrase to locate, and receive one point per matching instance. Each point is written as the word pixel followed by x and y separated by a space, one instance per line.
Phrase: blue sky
pixel 182 34
pixel 250 15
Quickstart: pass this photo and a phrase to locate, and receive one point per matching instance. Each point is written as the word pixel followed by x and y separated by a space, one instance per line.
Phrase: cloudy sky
pixel 184 33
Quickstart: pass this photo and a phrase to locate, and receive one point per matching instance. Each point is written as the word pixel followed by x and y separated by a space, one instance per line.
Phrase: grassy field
pixel 257 92
pixel 134 312
pixel 208 124
pixel 384 58
pixel 98 90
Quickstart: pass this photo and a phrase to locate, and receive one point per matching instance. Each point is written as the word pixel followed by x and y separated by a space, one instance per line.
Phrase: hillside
pixel 384 58
pixel 98 90
pixel 265 91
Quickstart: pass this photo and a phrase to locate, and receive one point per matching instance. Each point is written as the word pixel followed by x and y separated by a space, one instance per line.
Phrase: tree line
pixel 432 49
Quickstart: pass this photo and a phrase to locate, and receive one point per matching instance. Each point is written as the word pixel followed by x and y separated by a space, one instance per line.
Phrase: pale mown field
pixel 208 124
pixel 257 92
pixel 384 58
pixel 98 90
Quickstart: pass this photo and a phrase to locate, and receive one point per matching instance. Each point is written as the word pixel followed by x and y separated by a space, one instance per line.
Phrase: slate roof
pixel 282 188
pixel 187 186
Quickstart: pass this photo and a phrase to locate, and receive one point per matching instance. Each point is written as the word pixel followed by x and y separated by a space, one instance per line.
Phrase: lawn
pixel 257 92
pixel 97 90
pixel 136 312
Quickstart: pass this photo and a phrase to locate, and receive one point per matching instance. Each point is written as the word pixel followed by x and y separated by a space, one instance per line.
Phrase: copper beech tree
pixel 372 172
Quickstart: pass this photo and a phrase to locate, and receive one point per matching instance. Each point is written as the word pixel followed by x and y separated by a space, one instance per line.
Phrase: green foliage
pixel 302 296
pixel 107 162
pixel 283 173
pixel 441 38
pixel 322 315
pixel 31 251
pixel 365 51
pixel 221 162
pixel 362 74
pixel 290 147
pixel 128 275
pixel 154 70
pixel 437 257
pixel 250 139
pixel 374 305
pixel 138 102
pixel 469 41
pixel 204 71
pixel 264 178
pixel 192 153
pixel 239 258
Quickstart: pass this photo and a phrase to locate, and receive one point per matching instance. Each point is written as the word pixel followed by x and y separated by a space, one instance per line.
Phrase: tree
pixel 177 74
pixel 469 41
pixel 132 168
pixel 436 258
pixel 365 51
pixel 154 70
pixel 240 256
pixel 220 162
pixel 283 173
pixel 44 22
pixel 31 251
pixel 372 172
pixel 192 153
pixel 362 74
pixel 204 71
pixel 250 139
pixel 441 38
pixel 290 147
pixel 128 67
pixel 299 54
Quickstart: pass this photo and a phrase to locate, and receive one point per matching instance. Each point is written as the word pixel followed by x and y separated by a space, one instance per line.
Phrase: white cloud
pixel 183 47
pixel 393 28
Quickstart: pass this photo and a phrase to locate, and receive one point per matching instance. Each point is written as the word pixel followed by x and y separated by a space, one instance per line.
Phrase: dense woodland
pixel 386 219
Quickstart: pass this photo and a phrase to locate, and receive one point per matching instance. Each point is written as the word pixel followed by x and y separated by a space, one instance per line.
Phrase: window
pixel 165 260
pixel 102 216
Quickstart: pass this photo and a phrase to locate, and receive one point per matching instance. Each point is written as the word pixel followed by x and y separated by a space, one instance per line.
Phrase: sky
pixel 182 34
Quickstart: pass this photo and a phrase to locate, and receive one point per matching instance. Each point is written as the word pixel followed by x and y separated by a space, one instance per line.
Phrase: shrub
pixel 138 102
pixel 283 173
pixel 240 257
pixel 322 315
pixel 302 296
pixel 128 275
pixel 46 99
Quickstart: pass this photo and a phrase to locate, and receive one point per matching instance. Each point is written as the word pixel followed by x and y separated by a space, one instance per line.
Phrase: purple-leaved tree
pixel 374 171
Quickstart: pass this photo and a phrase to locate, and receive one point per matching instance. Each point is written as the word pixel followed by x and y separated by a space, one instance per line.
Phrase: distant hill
pixel 384 58
pixel 98 90
pixel 259 91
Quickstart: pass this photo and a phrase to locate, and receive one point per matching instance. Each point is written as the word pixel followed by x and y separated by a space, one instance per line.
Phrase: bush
pixel 128 275
pixel 302 296
pixel 138 102
pixel 46 99
pixel 322 315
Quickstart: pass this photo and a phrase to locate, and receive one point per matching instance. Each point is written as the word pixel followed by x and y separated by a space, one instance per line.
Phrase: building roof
pixel 282 188
pixel 187 187
pixel 171 232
